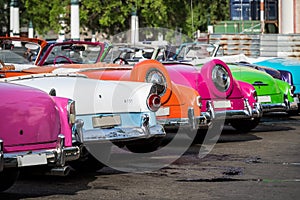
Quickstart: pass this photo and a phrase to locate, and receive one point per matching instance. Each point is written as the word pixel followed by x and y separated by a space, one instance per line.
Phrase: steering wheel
pixel 120 61
pixel 68 59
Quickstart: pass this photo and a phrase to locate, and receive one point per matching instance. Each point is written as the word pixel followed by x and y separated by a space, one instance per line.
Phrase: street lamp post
pixel 75 33
pixel 30 30
pixel 14 18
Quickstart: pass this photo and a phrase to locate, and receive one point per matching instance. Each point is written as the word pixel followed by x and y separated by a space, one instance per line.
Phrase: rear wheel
pixel 245 126
pixel 7 178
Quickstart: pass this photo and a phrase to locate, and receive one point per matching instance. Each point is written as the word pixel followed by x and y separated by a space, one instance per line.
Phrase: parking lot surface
pixel 262 164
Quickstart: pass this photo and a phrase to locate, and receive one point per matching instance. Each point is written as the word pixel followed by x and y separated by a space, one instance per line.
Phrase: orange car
pixel 181 105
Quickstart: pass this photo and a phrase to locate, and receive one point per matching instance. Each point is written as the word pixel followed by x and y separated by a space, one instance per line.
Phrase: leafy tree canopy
pixel 113 16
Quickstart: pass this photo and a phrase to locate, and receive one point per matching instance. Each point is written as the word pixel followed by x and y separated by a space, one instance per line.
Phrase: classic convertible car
pixel 180 105
pixel 288 67
pixel 21 50
pixel 230 99
pixel 274 94
pixel 36 129
pixel 109 111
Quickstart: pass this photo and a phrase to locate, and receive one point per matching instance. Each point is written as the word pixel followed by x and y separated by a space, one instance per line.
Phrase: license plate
pixel 264 99
pixel 296 99
pixel 31 159
pixel 222 104
pixel 106 121
pixel 163 111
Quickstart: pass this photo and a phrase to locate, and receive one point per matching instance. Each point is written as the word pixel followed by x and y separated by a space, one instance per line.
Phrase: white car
pixel 120 112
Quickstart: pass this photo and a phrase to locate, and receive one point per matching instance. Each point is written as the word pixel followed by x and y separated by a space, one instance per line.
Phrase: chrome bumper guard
pixel 247 113
pixel 124 134
pixel 193 122
pixel 53 157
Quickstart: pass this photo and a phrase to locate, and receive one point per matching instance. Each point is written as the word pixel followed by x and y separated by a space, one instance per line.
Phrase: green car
pixel 274 95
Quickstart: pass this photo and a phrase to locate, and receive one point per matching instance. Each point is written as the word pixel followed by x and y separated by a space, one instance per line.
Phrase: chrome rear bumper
pixel 206 118
pixel 280 107
pixel 247 113
pixel 53 157
pixel 122 134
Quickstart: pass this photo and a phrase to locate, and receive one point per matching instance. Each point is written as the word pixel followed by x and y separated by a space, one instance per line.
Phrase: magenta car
pixel 223 97
pixel 36 129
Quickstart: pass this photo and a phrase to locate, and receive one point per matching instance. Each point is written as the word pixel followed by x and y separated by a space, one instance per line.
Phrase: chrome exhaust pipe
pixel 60 171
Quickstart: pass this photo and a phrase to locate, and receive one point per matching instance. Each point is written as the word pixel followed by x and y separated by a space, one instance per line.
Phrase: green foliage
pixel 46 15
pixel 206 13
pixel 113 16
pixel 4 17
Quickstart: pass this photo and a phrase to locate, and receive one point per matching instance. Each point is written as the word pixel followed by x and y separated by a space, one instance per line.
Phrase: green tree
pixel 46 15
pixel 113 16
pixel 4 17
pixel 204 12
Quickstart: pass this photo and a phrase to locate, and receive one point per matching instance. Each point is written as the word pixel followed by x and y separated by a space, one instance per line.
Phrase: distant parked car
pixel 36 129
pixel 288 67
pixel 21 50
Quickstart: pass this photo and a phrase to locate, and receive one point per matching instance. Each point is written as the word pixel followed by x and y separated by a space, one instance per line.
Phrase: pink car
pixel 35 129
pixel 223 97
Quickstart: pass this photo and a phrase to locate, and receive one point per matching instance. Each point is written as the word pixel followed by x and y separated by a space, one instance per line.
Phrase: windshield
pixel 18 52
pixel 195 51
pixel 72 53
pixel 128 53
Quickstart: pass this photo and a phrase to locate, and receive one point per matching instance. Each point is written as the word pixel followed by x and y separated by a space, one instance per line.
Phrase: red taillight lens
pixel 153 102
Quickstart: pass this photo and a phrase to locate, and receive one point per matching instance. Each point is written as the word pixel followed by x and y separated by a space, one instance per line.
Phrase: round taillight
pixel 153 102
